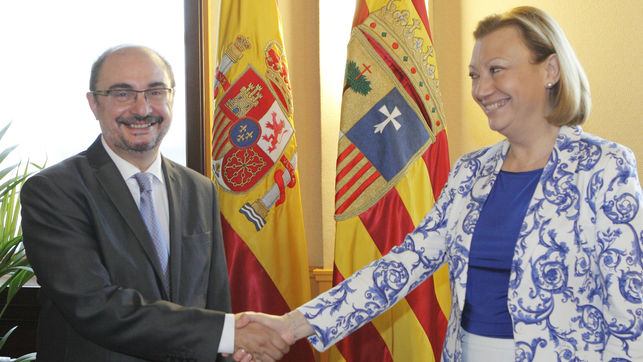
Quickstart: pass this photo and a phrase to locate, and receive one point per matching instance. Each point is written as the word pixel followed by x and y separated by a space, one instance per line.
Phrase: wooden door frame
pixel 196 93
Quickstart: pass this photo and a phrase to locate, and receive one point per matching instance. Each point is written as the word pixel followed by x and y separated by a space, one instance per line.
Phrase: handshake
pixel 266 338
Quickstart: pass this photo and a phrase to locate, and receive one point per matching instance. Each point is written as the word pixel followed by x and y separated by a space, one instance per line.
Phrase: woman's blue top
pixel 492 247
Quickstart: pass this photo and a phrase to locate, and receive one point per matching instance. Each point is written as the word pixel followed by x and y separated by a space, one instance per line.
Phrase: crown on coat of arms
pixel 235 49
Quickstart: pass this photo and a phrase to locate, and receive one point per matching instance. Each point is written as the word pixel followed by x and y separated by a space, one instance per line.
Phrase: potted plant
pixel 14 267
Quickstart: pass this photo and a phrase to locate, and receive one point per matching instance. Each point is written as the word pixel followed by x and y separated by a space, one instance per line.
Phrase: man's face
pixel 132 129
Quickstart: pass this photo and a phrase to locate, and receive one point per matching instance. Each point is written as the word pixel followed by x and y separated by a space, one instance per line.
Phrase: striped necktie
pixel 146 208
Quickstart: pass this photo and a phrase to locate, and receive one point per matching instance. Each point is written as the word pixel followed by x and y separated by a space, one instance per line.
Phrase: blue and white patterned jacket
pixel 575 292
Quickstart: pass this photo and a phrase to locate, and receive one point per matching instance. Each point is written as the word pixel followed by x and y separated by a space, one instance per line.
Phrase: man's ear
pixel 552 67
pixel 93 103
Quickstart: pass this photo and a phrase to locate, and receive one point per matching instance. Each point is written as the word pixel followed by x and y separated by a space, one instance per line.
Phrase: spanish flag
pixel 392 163
pixel 254 163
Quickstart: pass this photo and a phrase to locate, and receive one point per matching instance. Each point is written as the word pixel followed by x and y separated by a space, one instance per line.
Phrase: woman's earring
pixel 549 85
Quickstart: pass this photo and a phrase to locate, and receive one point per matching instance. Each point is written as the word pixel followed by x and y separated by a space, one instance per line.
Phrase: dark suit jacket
pixel 101 296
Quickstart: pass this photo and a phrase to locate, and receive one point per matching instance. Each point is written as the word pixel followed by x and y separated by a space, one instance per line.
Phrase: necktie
pixel 146 208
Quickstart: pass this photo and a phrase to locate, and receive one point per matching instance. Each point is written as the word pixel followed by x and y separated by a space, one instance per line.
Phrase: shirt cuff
pixel 226 344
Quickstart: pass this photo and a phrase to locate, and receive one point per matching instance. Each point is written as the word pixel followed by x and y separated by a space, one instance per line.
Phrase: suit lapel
pixel 562 165
pixel 174 190
pixel 117 191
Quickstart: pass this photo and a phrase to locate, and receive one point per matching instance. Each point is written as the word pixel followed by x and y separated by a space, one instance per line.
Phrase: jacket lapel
pixel 174 190
pixel 117 191
pixel 561 167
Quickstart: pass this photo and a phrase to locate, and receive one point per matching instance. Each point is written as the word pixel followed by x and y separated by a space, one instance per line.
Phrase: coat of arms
pixel 249 135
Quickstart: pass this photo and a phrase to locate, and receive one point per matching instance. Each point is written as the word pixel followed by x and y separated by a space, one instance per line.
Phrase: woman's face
pixel 507 85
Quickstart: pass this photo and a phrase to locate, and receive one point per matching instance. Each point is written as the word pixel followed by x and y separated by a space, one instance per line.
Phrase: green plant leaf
pixel 28 357
pixel 6 336
pixel 6 152
pixel 14 266
pixel 4 130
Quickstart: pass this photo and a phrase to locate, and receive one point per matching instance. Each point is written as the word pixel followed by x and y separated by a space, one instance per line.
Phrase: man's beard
pixel 125 145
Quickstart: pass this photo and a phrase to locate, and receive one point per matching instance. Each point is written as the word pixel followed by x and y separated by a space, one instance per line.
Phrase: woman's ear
pixel 552 67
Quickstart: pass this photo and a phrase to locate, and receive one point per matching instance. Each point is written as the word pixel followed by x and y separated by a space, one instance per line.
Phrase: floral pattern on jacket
pixel 575 290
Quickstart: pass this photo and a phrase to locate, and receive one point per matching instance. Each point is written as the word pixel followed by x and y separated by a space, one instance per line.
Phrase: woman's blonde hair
pixel 570 98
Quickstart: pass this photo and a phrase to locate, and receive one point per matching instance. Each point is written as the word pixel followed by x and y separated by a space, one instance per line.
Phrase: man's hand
pixel 259 342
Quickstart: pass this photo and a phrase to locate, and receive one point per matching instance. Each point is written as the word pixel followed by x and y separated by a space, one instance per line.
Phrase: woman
pixel 542 231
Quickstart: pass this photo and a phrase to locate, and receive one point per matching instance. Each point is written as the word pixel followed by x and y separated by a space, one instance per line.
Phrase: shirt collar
pixel 128 170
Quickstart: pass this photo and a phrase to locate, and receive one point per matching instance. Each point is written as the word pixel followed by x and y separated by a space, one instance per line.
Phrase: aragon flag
pixel 254 163
pixel 392 163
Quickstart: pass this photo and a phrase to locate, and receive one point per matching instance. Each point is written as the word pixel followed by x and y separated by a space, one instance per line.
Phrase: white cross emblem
pixel 390 118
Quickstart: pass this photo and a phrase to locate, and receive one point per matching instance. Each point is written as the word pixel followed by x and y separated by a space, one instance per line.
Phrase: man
pixel 129 269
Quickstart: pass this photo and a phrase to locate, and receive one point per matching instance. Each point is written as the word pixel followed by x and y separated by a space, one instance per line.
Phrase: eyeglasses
pixel 152 95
